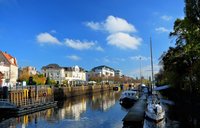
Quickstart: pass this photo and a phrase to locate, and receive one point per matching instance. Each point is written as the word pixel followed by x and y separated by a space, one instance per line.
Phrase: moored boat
pixel 128 98
pixel 154 110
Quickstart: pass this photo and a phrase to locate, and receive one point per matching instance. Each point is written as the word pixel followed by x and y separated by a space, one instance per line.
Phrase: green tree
pixel 47 81
pixel 180 63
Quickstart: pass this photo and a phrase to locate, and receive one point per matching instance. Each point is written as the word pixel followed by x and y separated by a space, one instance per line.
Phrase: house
pixel 75 75
pixel 118 73
pixel 1 78
pixel 72 75
pixel 9 68
pixel 54 72
pixel 103 70
pixel 29 70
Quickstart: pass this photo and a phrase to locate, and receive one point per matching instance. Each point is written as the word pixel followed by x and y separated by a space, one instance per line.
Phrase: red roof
pixel 9 58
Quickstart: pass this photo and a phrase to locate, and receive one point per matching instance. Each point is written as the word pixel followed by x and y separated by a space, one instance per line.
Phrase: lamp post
pixel 140 71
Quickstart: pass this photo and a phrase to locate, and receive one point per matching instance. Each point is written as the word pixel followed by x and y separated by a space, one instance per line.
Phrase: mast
pixel 140 72
pixel 152 77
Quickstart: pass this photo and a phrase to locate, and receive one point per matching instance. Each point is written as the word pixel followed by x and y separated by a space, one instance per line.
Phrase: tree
pixel 180 63
pixel 39 79
pixel 47 81
pixel 24 77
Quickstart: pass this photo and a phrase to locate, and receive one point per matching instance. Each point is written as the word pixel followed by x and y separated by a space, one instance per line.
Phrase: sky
pixel 89 33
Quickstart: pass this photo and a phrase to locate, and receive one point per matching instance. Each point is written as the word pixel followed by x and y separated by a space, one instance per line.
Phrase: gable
pixel 7 59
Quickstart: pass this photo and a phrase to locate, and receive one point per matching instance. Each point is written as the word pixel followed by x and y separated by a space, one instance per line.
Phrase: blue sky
pixel 88 33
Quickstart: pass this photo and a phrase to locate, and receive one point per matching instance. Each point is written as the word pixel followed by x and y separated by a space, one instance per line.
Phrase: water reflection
pixel 152 124
pixel 97 110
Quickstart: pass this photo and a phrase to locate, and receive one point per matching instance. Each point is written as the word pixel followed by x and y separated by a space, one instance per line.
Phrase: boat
pixel 154 110
pixel 128 98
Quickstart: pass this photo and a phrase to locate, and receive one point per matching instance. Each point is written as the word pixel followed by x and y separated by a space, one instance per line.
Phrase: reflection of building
pixel 73 75
pixel 73 110
pixel 9 68
pixel 103 101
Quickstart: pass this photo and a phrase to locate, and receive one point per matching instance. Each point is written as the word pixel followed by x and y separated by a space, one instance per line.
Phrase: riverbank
pixel 66 92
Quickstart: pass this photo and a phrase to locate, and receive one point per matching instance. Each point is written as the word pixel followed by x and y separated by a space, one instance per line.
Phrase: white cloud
pixel 47 38
pixel 99 48
pixel 119 32
pixel 74 57
pixel 124 41
pixel 143 58
pixel 166 18
pixel 77 44
pixel 162 29
pixel 53 31
pixel 116 24
pixel 112 25
pixel 94 25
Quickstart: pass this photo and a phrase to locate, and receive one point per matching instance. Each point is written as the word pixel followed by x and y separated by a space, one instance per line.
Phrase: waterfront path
pixel 136 113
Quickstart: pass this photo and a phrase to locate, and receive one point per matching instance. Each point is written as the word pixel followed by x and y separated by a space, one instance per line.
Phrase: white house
pixel 54 72
pixel 118 73
pixel 73 75
pixel 9 69
pixel 103 71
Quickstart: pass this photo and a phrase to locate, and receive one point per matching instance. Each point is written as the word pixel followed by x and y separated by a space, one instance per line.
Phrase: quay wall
pixel 65 92
pixel 22 96
pixel 33 93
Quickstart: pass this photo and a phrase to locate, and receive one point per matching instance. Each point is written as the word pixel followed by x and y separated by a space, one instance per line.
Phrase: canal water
pixel 100 110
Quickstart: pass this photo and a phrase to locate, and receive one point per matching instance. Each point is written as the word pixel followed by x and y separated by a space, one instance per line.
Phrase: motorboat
pixel 154 110
pixel 128 98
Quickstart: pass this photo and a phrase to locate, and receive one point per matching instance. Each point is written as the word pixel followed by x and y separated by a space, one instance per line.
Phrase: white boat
pixel 128 98
pixel 154 110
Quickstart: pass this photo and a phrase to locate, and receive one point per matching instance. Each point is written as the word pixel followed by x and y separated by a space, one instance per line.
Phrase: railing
pixel 31 102
pixel 27 87
pixel 3 100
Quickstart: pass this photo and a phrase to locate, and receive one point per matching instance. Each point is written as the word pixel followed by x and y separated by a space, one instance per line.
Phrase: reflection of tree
pixel 73 108
pixel 102 101
pixel 33 118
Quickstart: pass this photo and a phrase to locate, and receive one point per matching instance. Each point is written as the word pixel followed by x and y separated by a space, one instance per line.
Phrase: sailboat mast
pixel 152 76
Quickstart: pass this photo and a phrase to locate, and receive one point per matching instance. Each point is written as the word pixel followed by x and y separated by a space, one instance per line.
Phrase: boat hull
pixel 127 102
pixel 155 117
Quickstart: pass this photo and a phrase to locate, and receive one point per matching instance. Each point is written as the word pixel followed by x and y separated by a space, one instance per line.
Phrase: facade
pixel 1 78
pixel 118 73
pixel 9 69
pixel 27 70
pixel 54 72
pixel 75 75
pixel 72 75
pixel 103 71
